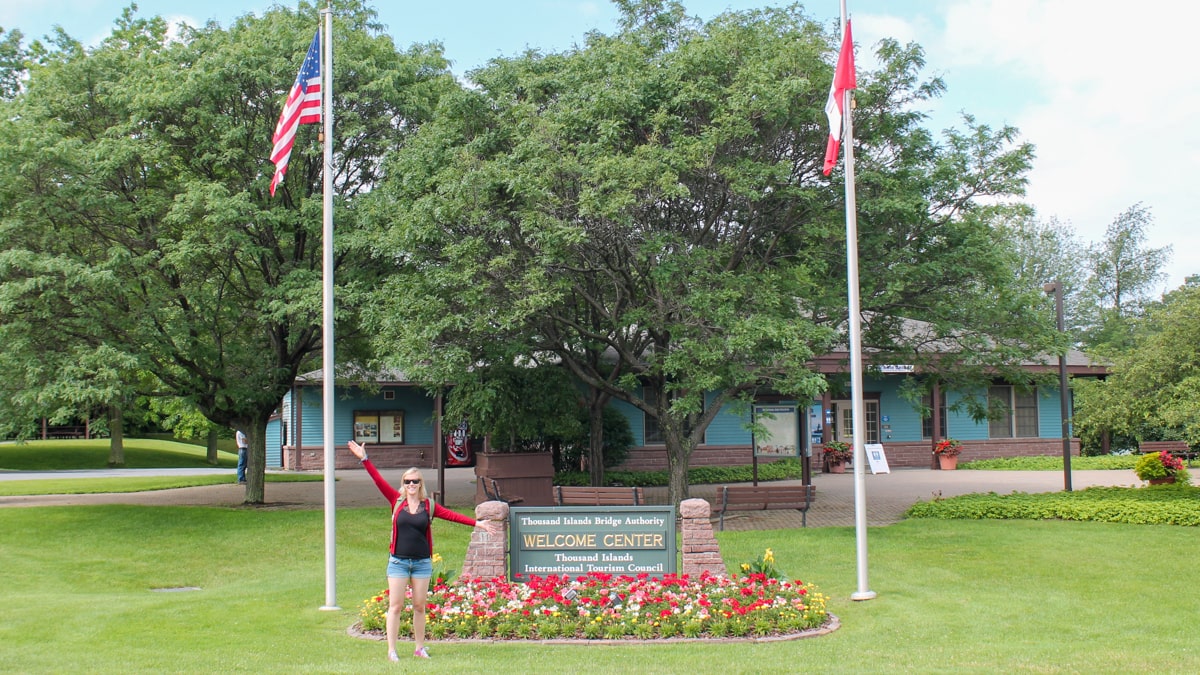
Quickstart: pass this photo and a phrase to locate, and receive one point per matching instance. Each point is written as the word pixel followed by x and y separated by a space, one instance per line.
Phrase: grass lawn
pixel 140 453
pixel 86 486
pixel 954 596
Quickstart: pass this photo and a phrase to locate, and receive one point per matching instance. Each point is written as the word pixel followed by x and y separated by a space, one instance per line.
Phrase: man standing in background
pixel 243 447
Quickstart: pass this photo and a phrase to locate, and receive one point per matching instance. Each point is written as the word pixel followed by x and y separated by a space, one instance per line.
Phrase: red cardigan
pixel 393 495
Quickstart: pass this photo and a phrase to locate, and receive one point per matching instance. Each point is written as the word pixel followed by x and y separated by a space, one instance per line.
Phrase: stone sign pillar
pixel 701 553
pixel 485 554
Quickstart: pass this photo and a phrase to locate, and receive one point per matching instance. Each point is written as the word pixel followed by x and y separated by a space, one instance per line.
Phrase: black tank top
pixel 411 529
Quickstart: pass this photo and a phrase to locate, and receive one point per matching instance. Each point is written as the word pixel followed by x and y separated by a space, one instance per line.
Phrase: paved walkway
pixel 886 496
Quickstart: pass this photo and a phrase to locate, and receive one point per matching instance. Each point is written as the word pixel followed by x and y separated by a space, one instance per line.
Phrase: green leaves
pixel 135 193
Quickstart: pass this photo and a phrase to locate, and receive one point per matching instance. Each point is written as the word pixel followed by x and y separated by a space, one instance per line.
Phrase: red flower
pixel 948 447
pixel 1170 462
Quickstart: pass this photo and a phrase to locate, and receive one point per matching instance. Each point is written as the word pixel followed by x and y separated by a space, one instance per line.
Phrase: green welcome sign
pixel 575 540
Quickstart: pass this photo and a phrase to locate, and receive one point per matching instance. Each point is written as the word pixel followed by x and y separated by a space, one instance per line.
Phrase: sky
pixel 1105 94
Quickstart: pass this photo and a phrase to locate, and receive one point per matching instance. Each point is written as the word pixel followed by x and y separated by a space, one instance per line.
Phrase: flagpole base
pixel 330 608
pixel 863 595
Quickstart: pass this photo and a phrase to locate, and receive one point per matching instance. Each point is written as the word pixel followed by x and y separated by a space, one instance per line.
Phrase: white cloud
pixel 1105 95
pixel 589 9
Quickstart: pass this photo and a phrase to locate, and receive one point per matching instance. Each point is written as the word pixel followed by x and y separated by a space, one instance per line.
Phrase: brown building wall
pixel 915 454
pixel 312 458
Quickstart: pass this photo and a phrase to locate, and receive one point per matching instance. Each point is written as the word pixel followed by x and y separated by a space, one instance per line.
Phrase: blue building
pixel 397 419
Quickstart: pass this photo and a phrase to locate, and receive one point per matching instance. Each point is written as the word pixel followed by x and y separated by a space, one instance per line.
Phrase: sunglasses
pixel 412 481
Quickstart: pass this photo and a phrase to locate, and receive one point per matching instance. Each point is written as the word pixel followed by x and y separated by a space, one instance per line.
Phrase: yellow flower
pixel 769 556
pixel 437 558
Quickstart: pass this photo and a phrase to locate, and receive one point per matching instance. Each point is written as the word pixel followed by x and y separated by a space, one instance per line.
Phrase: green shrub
pixel 1051 463
pixel 1159 465
pixel 1175 504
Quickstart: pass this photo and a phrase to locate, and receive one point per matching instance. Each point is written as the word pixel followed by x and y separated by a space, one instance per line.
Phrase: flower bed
pixel 603 606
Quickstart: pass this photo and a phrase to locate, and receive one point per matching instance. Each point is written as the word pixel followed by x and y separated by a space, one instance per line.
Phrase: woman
pixel 411 548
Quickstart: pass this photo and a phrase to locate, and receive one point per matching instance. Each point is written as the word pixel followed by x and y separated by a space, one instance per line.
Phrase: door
pixel 843 421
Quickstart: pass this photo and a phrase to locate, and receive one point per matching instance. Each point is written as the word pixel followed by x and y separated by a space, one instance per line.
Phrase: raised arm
pixel 386 488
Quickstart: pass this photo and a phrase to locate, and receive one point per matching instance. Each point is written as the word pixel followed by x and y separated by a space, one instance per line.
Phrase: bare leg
pixel 420 600
pixel 396 600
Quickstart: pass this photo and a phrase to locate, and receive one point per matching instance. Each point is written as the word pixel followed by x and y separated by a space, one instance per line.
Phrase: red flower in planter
pixel 837 451
pixel 948 447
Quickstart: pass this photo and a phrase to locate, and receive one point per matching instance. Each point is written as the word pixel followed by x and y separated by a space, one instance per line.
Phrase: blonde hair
pixel 421 494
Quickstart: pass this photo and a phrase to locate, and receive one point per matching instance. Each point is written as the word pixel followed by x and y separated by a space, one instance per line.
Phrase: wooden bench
pixel 1176 448
pixel 765 497
pixel 567 495
pixel 63 431
pixel 495 495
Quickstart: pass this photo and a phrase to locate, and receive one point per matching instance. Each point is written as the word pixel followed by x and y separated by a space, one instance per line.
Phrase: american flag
pixel 303 106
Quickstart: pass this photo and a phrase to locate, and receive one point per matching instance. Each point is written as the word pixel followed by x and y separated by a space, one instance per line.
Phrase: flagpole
pixel 329 444
pixel 856 361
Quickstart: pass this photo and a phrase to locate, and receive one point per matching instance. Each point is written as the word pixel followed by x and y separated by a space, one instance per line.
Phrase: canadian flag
pixel 843 79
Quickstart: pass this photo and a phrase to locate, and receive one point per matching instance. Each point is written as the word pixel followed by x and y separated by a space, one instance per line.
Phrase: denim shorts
pixel 406 568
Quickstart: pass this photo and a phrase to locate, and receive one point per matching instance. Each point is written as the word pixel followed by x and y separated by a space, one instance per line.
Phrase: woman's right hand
pixel 357 448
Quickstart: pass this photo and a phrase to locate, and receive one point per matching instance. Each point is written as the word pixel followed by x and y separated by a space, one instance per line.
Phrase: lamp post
pixel 1055 287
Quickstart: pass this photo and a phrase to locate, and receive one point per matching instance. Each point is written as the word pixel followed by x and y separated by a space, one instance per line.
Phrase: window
pixel 379 426
pixel 871 421
pixel 927 421
pixel 1014 414
pixel 651 431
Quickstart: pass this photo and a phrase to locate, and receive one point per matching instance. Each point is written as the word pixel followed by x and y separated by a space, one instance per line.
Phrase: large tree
pixel 1125 275
pixel 135 188
pixel 1154 390
pixel 655 197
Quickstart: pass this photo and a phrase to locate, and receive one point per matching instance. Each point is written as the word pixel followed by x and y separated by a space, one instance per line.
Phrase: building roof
pixel 925 340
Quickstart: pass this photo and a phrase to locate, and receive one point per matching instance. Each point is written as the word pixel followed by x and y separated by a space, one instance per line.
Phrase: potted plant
pixel 836 455
pixel 1160 467
pixel 947 451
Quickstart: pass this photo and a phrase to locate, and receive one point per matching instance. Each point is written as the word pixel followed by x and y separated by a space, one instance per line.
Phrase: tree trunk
pixel 596 437
pixel 116 435
pixel 256 462
pixel 679 455
pixel 211 454
pixel 677 468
